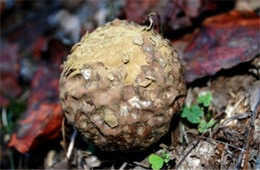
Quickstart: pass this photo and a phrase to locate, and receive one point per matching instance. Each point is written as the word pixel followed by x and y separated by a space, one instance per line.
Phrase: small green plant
pixel 205 99
pixel 192 113
pixel 203 126
pixel 196 113
pixel 157 161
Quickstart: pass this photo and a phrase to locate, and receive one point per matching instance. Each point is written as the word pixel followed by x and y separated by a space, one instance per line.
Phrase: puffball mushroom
pixel 121 86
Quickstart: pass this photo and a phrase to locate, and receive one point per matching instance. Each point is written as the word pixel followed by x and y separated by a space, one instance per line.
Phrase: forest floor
pixel 218 44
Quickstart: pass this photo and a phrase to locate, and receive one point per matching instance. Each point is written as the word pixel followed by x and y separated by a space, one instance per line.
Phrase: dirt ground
pixel 218 44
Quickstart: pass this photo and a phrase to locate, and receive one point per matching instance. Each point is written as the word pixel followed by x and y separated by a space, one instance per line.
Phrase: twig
pixel 243 158
pixel 233 146
pixel 6 125
pixel 184 133
pixel 63 135
pixel 71 145
pixel 24 96
pixel 112 167
pixel 141 164
pixel 151 21
pixel 237 116
pixel 222 158
pixel 240 159
pixel 231 111
pixel 123 166
pixel 4 117
pixel 246 157
pixel 187 154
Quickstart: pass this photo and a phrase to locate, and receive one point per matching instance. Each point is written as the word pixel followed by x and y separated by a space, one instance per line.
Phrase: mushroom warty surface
pixel 121 86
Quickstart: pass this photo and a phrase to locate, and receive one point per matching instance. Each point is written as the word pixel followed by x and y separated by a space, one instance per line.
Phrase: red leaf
pixel 222 42
pixel 39 46
pixel 9 85
pixel 137 10
pixel 9 69
pixel 3 101
pixel 42 120
pixel 190 7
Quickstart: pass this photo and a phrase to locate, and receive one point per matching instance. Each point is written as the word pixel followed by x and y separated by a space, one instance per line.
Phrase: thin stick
pixel 151 21
pixel 222 158
pixel 141 164
pixel 4 117
pixel 233 146
pixel 71 145
pixel 237 116
pixel 243 158
pixel 123 166
pixel 187 154
pixel 63 135
pixel 184 133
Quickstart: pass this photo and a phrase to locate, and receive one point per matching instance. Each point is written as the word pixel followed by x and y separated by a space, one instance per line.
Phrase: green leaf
pixel 202 126
pixel 185 112
pixel 166 156
pixel 196 113
pixel 156 161
pixel 205 99
pixel 211 123
pixel 193 114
